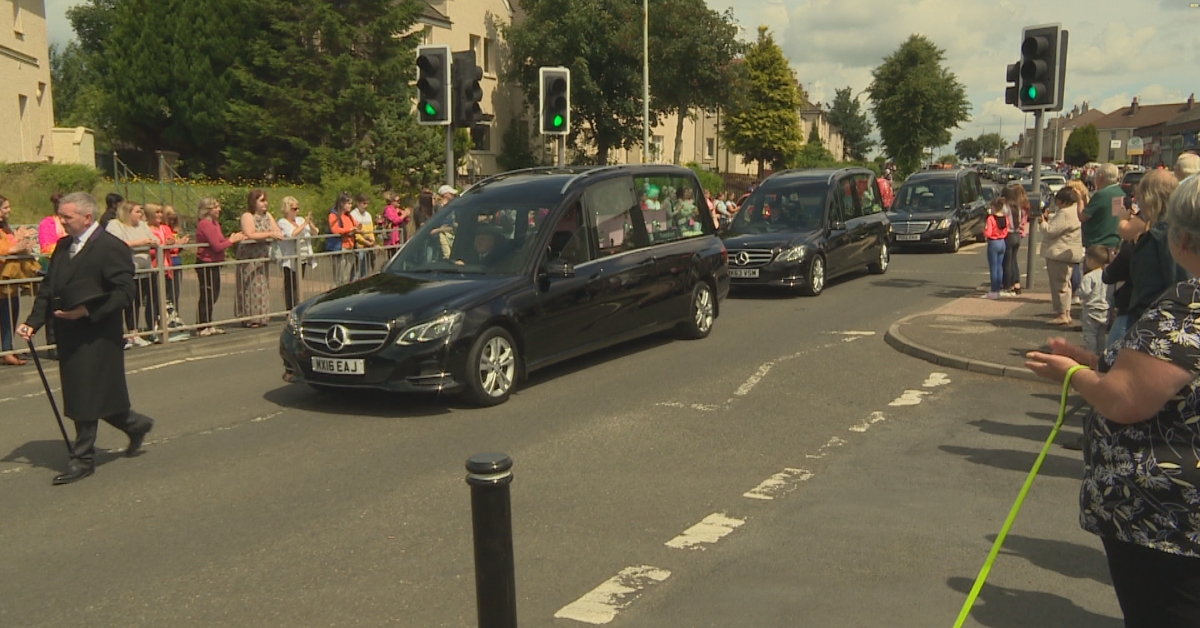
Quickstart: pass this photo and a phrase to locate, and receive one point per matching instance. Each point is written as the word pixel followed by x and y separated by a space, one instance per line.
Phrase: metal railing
pixel 172 302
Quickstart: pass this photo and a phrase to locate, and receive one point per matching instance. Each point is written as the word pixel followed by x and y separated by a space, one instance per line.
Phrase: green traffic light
pixel 1032 92
pixel 558 121
pixel 430 110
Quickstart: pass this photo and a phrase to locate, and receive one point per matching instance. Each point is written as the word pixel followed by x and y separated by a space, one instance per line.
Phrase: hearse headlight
pixel 442 327
pixel 794 254
pixel 943 224
pixel 293 322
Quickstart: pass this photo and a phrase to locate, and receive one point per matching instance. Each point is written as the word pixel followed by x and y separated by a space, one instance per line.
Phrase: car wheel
pixel 955 240
pixel 885 259
pixel 701 313
pixel 816 277
pixel 491 369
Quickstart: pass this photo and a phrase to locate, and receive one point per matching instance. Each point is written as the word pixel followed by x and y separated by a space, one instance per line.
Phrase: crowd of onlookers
pixel 289 240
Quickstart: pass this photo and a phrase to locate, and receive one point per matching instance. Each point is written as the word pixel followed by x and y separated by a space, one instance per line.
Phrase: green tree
pixel 1083 146
pixel 813 154
pixel 691 48
pixel 600 41
pixel 948 159
pixel 967 149
pixel 847 115
pixel 916 101
pixel 764 125
pixel 990 144
pixel 516 149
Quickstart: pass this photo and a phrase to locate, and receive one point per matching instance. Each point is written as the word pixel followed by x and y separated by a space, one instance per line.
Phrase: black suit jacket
pixel 91 350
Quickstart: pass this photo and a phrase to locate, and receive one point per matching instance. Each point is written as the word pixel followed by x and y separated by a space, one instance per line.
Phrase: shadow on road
pixel 1053 465
pixel 780 292
pixel 1069 559
pixel 1036 433
pixel 52 455
pixel 1000 607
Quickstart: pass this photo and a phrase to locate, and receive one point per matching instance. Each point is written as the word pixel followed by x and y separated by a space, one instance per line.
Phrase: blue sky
pixel 1119 48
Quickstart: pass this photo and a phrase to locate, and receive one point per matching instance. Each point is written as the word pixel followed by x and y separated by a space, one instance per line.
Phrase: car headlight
pixel 293 322
pixel 442 327
pixel 794 254
pixel 943 224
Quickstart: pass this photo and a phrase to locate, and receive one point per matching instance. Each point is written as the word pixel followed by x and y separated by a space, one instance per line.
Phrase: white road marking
pixel 909 398
pixel 851 336
pixel 601 605
pixel 936 379
pixel 779 484
pixel 155 367
pixel 876 417
pixel 12 470
pixel 712 529
pixel 754 379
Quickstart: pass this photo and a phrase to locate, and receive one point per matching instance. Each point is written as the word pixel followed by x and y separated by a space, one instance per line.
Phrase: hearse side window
pixel 615 215
pixel 966 191
pixel 570 242
pixel 673 208
pixel 869 193
pixel 849 197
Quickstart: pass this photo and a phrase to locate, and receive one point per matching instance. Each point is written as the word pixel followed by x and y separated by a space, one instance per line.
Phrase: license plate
pixel 742 273
pixel 908 238
pixel 338 366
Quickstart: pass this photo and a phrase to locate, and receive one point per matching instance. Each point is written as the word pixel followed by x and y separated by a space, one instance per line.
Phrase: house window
pixel 18 28
pixel 489 56
pixel 481 138
pixel 710 148
pixel 476 41
pixel 656 148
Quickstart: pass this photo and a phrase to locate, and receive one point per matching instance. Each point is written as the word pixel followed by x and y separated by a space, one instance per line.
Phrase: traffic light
pixel 554 100
pixel 433 85
pixel 1013 76
pixel 1043 58
pixel 467 91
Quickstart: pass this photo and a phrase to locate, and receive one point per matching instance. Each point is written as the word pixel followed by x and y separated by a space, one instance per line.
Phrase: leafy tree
pixel 967 149
pixel 516 150
pixel 847 115
pixel 1083 146
pixel 813 154
pixel 916 101
pixel 764 126
pixel 600 41
pixel 990 144
pixel 948 159
pixel 691 48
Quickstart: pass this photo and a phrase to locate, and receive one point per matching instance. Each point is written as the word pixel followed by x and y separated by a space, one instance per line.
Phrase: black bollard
pixel 489 475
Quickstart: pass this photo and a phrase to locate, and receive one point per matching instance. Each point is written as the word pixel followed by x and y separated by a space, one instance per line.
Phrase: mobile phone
pixel 1118 205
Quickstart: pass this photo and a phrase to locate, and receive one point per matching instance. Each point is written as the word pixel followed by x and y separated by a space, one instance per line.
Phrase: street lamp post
pixel 645 80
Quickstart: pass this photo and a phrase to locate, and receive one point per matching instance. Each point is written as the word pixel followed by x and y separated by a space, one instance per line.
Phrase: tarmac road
pixel 874 482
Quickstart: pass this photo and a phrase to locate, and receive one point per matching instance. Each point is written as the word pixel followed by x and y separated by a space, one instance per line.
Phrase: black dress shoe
pixel 135 443
pixel 74 474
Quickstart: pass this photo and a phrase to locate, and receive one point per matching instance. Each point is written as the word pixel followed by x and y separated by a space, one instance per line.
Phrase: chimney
pixel 1133 107
pixel 1085 107
pixel 1191 102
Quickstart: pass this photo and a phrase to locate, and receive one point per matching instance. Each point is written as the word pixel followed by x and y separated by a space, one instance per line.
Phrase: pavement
pixel 983 335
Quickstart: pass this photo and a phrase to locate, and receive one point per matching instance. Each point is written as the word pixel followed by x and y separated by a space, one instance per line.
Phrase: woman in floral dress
pixel 253 289
pixel 1141 475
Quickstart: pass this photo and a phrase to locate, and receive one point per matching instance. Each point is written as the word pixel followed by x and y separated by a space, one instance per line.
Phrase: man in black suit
pixel 88 285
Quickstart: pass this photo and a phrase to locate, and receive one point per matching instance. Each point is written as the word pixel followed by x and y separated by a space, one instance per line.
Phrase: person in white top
pixel 295 248
pixel 366 239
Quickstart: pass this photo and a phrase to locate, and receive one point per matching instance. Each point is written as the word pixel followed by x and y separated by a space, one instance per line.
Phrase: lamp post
pixel 645 79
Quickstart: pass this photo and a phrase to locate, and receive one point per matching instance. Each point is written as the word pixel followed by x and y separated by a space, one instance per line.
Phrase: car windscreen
pixel 927 195
pixel 493 232
pixel 781 208
pixel 1133 178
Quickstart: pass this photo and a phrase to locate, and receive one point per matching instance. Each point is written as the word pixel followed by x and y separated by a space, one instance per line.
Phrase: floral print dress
pixel 1141 482
pixel 253 290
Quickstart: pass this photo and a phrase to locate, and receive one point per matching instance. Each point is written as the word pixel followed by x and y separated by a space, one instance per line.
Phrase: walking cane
pixel 50 395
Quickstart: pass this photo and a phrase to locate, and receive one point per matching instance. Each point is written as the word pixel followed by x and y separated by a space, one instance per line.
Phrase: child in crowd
pixel 996 230
pixel 1095 295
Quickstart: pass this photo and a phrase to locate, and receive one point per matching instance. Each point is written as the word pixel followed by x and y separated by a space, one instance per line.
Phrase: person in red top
pixel 996 230
pixel 343 224
pixel 885 192
pixel 212 251
pixel 166 236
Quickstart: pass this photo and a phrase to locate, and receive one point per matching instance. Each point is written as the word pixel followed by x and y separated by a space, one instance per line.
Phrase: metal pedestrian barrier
pixel 176 303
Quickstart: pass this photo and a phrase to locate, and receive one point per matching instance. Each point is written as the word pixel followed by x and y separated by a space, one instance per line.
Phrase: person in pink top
pixel 208 234
pixel 395 218
pixel 50 229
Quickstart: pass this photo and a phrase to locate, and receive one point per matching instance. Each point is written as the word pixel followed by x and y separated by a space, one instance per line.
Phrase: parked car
pixel 1129 181
pixel 1054 181
pixel 801 228
pixel 524 270
pixel 1046 194
pixel 939 208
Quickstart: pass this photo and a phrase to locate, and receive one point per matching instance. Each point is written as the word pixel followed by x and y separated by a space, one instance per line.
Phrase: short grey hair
pixel 83 202
pixel 1109 173
pixel 1183 213
pixel 1187 165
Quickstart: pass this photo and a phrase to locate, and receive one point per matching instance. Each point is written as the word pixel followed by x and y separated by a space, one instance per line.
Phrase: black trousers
pixel 210 291
pixel 1155 589
pixel 291 286
pixel 1012 270
pixel 129 422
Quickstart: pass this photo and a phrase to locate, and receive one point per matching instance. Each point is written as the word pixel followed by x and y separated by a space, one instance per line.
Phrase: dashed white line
pixel 710 530
pixel 601 605
pixel 876 417
pixel 936 379
pixel 155 367
pixel 779 484
pixel 908 398
pixel 754 379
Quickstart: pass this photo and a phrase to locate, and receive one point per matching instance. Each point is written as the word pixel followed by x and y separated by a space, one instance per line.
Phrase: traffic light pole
pixel 450 155
pixel 1036 194
pixel 562 150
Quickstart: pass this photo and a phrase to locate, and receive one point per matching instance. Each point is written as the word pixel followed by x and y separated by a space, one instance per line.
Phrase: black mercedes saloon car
pixel 939 207
pixel 524 270
pixel 801 228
